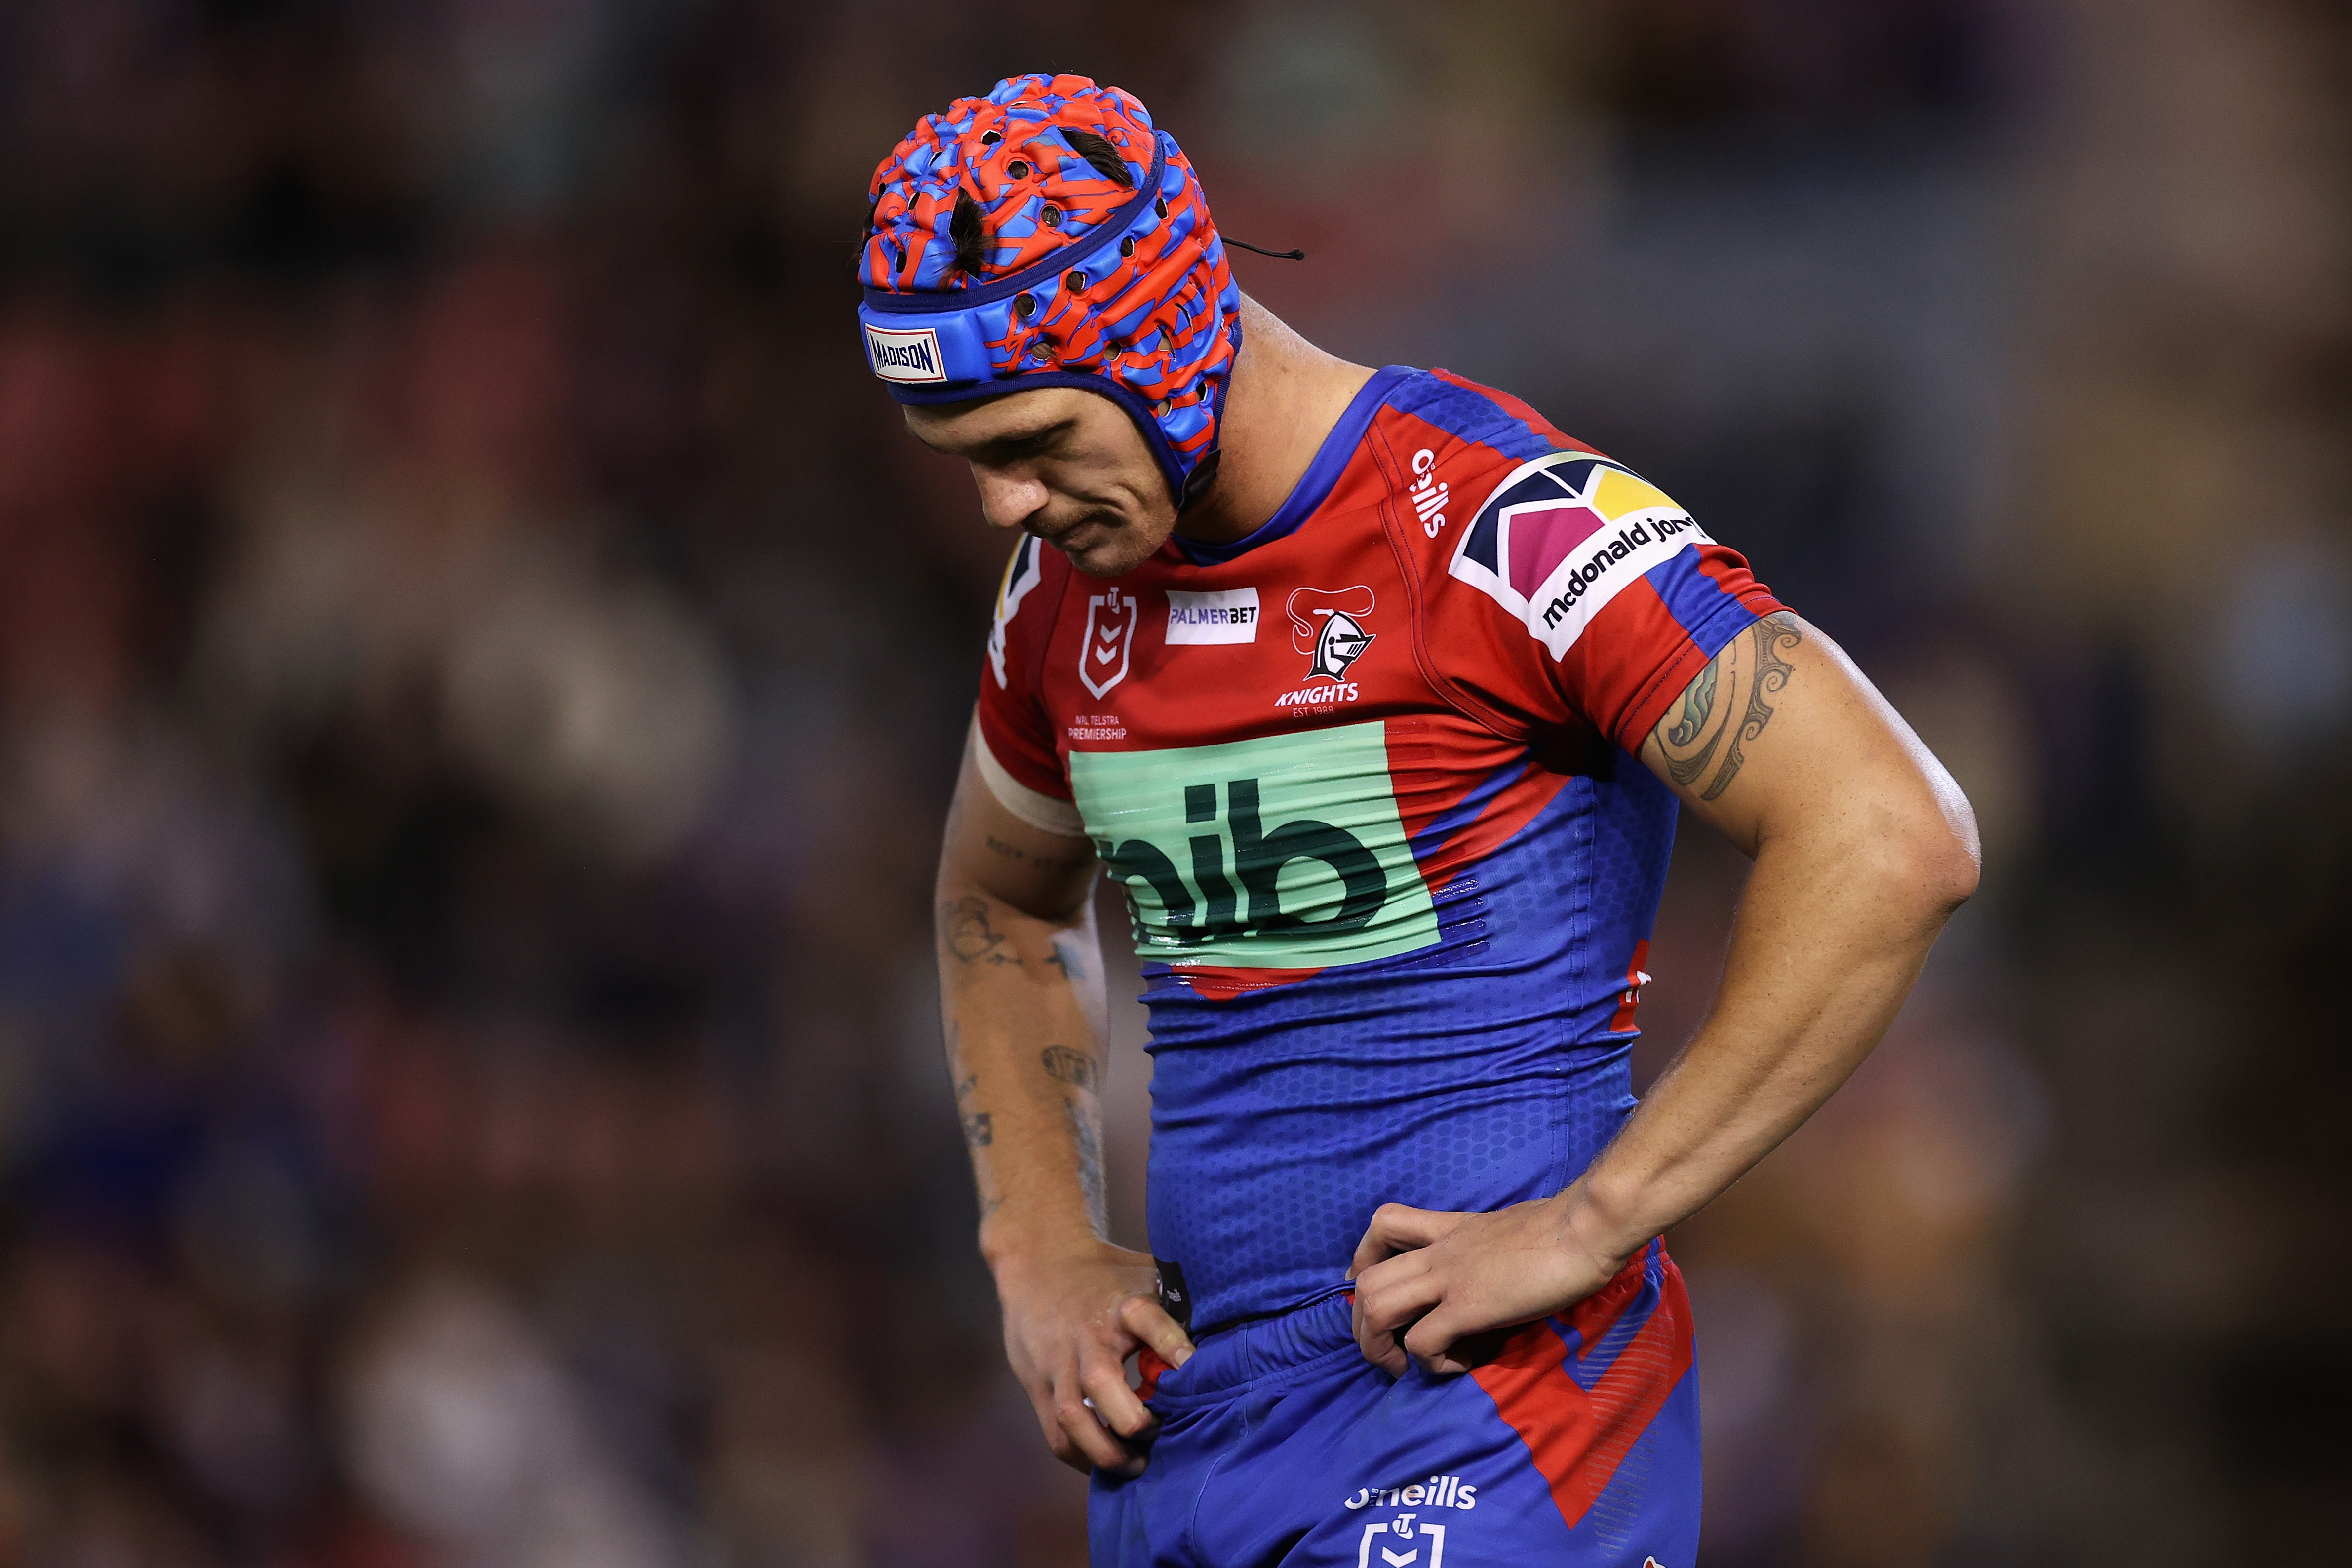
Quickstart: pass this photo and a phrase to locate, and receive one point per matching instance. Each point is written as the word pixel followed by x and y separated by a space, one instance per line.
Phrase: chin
pixel 1113 557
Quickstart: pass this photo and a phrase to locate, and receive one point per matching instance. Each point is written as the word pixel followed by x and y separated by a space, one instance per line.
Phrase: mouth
pixel 1076 536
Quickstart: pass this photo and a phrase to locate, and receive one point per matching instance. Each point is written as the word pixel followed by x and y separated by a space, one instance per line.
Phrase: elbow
pixel 1938 857
pixel 1952 876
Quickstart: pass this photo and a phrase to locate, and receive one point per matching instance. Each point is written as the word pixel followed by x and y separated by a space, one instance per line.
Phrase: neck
pixel 1286 397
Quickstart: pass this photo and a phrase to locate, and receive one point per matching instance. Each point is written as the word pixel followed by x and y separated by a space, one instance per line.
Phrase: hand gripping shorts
pixel 1577 1444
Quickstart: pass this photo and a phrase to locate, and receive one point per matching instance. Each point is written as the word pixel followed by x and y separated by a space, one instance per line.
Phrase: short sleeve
pixel 1012 739
pixel 1602 599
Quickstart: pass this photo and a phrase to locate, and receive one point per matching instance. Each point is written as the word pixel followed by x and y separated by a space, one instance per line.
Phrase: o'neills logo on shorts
pixel 1438 1491
pixel 905 356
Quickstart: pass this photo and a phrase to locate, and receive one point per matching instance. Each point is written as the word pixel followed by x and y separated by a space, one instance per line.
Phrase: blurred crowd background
pixel 482 669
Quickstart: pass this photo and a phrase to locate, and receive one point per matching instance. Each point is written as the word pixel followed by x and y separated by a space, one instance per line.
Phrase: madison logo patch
pixel 904 355
pixel 1565 534
pixel 1111 633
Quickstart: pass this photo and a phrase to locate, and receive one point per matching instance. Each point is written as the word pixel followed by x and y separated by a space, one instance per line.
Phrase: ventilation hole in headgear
pixel 1127 246
pixel 1040 348
pixel 968 235
pixel 1025 305
pixel 1160 207
pixel 991 138
pixel 1076 281
pixel 1017 169
pixel 1160 410
pixel 1099 152
pixel 1051 217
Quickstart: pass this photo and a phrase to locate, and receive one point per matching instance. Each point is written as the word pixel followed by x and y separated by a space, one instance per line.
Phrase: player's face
pixel 1063 464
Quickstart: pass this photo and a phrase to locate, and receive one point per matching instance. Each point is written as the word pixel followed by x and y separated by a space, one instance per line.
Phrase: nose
pixel 1008 499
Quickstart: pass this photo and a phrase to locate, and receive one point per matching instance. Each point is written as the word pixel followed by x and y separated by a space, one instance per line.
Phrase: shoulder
pixel 1515 513
pixel 1451 444
pixel 1553 540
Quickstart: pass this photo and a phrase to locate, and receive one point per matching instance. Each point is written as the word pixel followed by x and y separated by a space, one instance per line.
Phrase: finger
pixel 1376 1337
pixel 1101 1447
pixel 1380 1348
pixel 1393 1294
pixel 1397 1228
pixel 1148 1320
pixel 1431 1340
pixel 1056 1440
pixel 1115 1404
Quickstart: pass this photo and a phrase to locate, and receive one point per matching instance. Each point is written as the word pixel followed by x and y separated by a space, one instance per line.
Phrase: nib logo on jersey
pixel 1328 625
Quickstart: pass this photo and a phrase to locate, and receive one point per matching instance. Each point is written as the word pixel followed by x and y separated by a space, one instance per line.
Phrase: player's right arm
pixel 1021 986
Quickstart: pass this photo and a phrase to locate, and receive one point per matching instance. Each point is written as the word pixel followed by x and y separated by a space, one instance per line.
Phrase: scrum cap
pixel 1048 235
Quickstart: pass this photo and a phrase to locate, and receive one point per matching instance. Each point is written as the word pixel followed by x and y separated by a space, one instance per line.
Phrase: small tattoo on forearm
pixel 1701 736
pixel 1043 862
pixel 979 1132
pixel 963 1091
pixel 1068 957
pixel 965 931
pixel 1083 1133
pixel 1070 1065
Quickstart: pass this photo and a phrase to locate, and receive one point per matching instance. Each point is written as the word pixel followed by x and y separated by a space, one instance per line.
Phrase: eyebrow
pixel 1020 443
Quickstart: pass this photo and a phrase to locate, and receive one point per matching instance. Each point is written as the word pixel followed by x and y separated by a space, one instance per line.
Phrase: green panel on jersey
pixel 1281 853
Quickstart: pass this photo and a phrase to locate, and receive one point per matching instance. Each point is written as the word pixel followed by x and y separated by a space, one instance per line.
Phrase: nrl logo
pixel 1324 624
pixel 1111 633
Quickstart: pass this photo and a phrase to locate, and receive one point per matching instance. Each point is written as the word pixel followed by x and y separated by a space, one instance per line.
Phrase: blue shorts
pixel 1577 1444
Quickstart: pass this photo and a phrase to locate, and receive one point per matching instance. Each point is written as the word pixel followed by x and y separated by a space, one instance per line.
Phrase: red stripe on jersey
pixel 1627 689
pixel 1577 1438
pixel 1517 804
pixel 1218 983
pixel 1734 576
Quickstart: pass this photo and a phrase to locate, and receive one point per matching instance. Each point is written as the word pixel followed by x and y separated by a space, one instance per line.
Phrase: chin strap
pixel 1293 255
pixel 1203 475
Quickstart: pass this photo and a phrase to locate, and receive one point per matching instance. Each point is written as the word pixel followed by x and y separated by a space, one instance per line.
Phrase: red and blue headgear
pixel 1048 235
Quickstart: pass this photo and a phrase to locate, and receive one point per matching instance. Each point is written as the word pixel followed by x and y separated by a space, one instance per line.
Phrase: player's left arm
pixel 1863 847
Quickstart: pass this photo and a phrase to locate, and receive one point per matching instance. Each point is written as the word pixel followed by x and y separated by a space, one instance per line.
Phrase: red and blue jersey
pixel 1369 779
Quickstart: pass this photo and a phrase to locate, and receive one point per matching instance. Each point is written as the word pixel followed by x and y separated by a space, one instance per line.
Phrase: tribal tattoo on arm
pixel 1701 736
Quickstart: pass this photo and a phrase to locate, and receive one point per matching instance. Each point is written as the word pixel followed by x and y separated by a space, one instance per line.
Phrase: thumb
pixel 1148 1320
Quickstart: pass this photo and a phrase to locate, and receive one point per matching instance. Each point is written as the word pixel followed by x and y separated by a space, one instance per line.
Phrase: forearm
pixel 1024 1023
pixel 1830 936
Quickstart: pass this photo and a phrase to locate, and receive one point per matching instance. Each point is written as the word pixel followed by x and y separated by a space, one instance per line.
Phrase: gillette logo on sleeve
pixel 904 355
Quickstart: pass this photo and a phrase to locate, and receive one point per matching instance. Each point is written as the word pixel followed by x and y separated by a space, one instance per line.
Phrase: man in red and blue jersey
pixel 1379 696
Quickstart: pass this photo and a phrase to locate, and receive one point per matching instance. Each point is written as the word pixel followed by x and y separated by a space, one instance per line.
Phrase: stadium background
pixel 481 670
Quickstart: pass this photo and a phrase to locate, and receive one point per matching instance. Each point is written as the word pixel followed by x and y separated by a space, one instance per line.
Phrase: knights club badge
pixel 1111 631
pixel 1326 625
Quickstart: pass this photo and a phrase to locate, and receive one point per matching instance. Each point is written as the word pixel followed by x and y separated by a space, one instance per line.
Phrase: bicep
pixel 1782 730
pixel 988 847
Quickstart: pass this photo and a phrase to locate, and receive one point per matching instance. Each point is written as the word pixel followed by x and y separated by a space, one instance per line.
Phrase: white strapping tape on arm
pixel 1041 811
